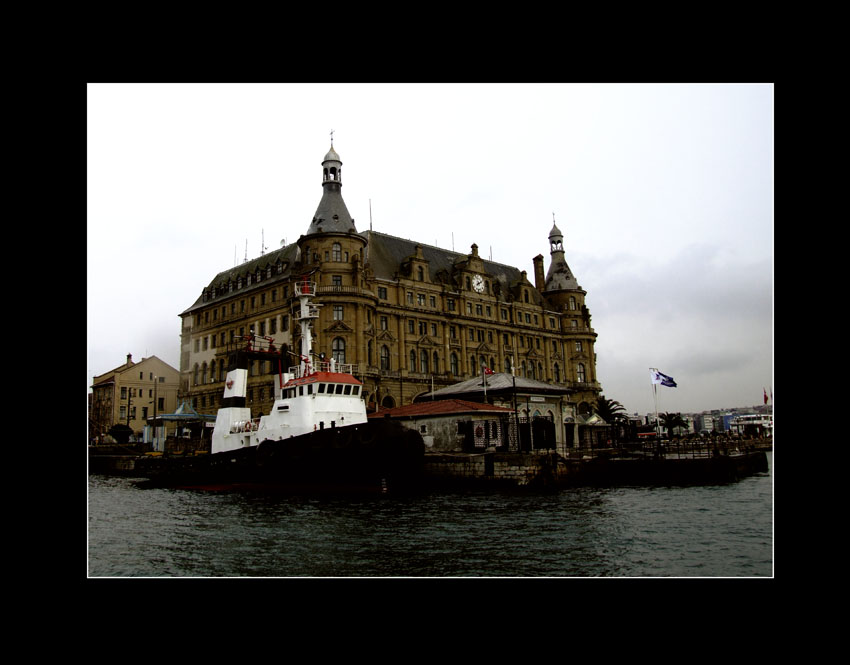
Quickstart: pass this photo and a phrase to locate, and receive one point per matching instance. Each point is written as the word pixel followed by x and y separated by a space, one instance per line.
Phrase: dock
pixel 602 468
pixel 549 470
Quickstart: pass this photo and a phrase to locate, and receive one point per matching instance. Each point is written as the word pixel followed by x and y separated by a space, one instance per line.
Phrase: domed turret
pixel 560 277
pixel 332 214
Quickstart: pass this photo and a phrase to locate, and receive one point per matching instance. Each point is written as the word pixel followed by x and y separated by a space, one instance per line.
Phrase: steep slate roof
pixel 332 215
pixel 288 255
pixel 442 407
pixel 500 382
pixel 387 253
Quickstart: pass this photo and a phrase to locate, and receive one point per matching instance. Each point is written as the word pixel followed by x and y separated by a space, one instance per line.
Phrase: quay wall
pixel 496 469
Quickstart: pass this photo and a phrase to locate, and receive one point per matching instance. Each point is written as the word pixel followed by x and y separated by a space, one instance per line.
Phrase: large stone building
pixel 411 317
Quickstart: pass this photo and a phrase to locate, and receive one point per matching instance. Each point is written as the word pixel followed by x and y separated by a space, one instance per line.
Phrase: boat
pixel 317 436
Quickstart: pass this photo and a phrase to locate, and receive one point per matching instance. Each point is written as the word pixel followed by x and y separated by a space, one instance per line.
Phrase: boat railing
pixel 298 371
pixel 304 288
pixel 251 342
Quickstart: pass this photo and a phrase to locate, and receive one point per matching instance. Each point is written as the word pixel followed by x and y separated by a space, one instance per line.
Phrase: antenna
pixel 262 241
pixel 246 251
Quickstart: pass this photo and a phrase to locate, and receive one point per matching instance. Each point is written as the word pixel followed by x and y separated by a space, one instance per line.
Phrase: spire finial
pixel 332 138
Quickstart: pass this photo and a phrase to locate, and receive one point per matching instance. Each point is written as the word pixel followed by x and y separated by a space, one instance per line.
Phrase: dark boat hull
pixel 377 456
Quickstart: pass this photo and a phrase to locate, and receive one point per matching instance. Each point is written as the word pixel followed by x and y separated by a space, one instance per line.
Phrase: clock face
pixel 478 283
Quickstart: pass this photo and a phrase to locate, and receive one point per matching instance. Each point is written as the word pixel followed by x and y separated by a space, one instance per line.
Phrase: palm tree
pixel 671 420
pixel 612 412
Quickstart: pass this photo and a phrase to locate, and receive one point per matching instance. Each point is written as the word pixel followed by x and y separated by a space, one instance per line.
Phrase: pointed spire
pixel 559 277
pixel 332 214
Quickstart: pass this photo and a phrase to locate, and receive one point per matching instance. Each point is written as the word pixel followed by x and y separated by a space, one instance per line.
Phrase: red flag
pixel 487 370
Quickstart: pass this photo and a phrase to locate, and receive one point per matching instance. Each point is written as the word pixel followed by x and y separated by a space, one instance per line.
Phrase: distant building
pixel 131 393
pixel 407 315
pixel 754 424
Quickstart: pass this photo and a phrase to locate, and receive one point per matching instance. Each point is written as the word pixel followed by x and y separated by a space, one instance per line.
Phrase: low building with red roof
pixel 454 424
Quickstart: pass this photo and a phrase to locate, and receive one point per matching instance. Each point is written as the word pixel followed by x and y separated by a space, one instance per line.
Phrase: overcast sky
pixel 664 194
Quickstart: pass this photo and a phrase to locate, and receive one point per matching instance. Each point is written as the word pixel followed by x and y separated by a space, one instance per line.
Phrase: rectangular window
pixel 433 301
pixel 420 299
pixel 382 292
pixel 450 304
pixel 337 312
pixel 384 323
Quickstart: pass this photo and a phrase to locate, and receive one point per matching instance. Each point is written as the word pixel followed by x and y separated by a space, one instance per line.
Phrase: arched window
pixel 385 357
pixel 436 364
pixel 453 361
pixel 336 252
pixel 412 367
pixel 580 375
pixel 204 373
pixel 557 373
pixel 423 361
pixel 212 372
pixel 508 366
pixel 540 371
pixel 195 374
pixel 531 370
pixel 338 350
pixel 369 352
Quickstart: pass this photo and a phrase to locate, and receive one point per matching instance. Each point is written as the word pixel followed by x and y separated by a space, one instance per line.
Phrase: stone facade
pixel 411 317
pixel 130 394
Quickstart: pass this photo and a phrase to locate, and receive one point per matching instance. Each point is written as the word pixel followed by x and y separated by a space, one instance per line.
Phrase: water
pixel 711 531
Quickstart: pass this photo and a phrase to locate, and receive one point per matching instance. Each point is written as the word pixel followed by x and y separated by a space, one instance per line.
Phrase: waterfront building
pixel 410 317
pixel 131 393
pixel 454 425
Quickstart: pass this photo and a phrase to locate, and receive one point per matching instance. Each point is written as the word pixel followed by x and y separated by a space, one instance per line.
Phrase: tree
pixel 612 412
pixel 671 420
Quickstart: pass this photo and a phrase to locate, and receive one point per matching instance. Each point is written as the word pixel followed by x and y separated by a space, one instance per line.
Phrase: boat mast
pixel 308 312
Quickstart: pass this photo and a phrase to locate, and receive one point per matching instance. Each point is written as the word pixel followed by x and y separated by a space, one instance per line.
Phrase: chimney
pixel 129 358
pixel 539 278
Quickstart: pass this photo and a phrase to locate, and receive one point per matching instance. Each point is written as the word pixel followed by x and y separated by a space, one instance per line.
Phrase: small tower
pixel 332 214
pixel 559 277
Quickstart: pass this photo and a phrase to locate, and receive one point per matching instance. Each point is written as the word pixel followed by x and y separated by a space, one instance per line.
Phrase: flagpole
pixel 655 394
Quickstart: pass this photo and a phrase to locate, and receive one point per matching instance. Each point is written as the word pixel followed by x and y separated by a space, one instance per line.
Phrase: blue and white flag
pixel 663 379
